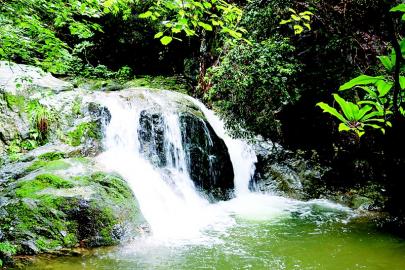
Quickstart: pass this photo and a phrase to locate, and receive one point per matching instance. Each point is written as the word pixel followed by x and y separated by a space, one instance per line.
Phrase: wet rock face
pixel 207 157
pixel 283 172
pixel 151 137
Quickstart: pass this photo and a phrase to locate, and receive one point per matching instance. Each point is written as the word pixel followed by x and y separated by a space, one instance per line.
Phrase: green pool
pixel 315 235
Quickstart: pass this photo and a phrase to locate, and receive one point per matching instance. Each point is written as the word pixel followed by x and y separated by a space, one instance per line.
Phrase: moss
pixel 106 221
pixel 39 219
pixel 115 188
pixel 45 244
pixel 82 160
pixel 6 250
pixel 53 165
pixel 82 131
pixel 160 82
pixel 50 156
pixel 76 107
pixel 15 102
pixel 27 189
pixel 49 221
pixel 70 240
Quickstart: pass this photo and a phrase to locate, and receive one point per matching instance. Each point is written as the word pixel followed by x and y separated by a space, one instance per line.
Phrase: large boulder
pixel 286 173
pixel 62 203
pixel 16 77
pixel 206 155
pixel 208 158
pixel 299 175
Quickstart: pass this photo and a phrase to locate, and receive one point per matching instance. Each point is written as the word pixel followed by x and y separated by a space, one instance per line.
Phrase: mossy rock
pixel 82 132
pixel 49 213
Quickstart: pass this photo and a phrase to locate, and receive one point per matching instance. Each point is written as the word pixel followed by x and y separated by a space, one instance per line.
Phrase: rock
pixel 14 77
pixel 290 174
pixel 51 210
pixel 285 173
pixel 207 156
pixel 151 137
pixel 208 159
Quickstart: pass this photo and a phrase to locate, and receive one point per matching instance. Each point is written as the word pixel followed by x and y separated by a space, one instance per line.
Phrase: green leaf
pixel 158 35
pixel 207 5
pixel 234 34
pixel 307 25
pixel 361 80
pixel 285 21
pixel 328 109
pixel 295 18
pixel 371 116
pixel 306 13
pixel 344 127
pixel 402 45
pixel 384 87
pixel 205 26
pixel 402 82
pixel 398 8
pixel 347 107
pixel 298 29
pixel 145 15
pixel 386 62
pixel 166 40
pixel 362 112
pixel 306 17
pixel 359 133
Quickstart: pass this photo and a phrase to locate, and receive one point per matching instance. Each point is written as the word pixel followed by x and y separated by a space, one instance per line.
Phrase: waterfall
pixel 242 155
pixel 167 196
pixel 144 143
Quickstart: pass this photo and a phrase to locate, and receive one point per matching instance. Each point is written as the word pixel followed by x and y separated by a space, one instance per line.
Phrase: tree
pixel 31 31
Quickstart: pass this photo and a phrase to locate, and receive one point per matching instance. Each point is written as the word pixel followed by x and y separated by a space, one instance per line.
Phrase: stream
pixel 250 231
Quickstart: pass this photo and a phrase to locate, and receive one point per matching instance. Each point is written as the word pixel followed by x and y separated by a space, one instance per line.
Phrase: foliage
pixel 299 21
pixel 253 83
pixel 190 17
pixel 382 97
pixel 261 18
pixel 40 119
pixel 356 117
pixel 31 30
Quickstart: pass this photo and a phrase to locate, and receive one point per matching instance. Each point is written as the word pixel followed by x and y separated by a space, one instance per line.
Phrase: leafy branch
pixel 382 95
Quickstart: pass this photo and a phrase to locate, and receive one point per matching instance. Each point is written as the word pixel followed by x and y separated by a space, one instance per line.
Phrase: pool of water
pixel 315 235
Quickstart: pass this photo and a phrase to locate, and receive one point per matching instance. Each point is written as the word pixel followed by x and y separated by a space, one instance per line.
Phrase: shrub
pixel 253 83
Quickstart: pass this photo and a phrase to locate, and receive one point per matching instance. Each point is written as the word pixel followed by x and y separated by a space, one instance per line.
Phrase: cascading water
pixel 242 155
pixel 155 144
pixel 168 198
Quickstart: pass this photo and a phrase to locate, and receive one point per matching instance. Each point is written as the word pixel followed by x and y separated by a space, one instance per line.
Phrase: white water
pixel 168 198
pixel 242 155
